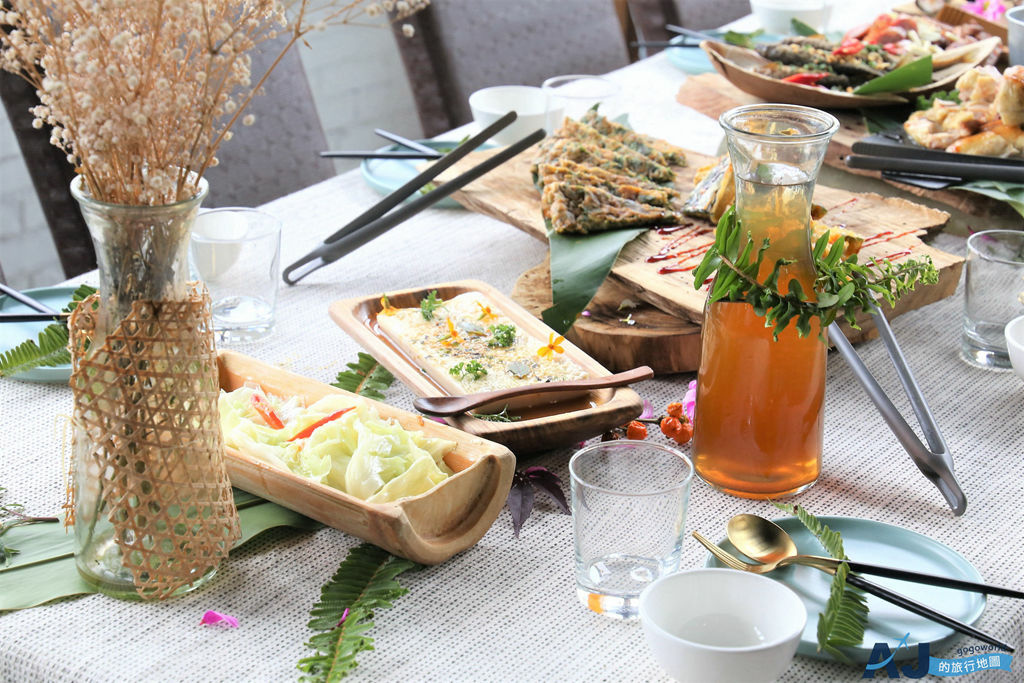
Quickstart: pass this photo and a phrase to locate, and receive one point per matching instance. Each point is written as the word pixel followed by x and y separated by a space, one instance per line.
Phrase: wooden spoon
pixel 441 406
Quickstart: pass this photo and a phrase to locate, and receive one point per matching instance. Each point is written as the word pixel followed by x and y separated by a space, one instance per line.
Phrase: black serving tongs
pixel 934 460
pixel 380 217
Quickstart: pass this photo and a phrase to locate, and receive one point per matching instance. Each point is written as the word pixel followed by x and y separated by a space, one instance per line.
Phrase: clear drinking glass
pixel 628 509
pixel 993 295
pixel 574 94
pixel 237 253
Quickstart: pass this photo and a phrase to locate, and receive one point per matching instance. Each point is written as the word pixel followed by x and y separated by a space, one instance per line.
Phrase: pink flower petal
pixel 218 618
pixel 648 410
pixel 690 399
pixel 585 314
pixel 344 616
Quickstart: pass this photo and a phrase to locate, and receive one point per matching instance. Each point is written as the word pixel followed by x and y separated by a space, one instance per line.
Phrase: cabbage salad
pixel 336 442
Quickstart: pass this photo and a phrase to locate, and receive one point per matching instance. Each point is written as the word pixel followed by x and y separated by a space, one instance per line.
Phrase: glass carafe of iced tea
pixel 760 403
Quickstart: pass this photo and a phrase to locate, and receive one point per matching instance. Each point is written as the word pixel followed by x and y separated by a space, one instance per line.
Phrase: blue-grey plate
pixel 694 60
pixel 12 334
pixel 878 543
pixel 387 175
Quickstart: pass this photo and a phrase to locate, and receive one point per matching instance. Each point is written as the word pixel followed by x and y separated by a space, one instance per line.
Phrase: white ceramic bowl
pixel 1014 332
pixel 722 625
pixel 776 16
pixel 490 104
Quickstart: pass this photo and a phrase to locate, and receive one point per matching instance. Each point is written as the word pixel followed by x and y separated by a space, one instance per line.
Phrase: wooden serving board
pixel 428 528
pixel 508 194
pixel 552 419
pixel 711 94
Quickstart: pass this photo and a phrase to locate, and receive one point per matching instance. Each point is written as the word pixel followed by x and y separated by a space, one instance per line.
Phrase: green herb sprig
pixel 846 613
pixel 844 287
pixel 502 416
pixel 51 347
pixel 7 553
pixel 503 335
pixel 429 304
pixel 471 368
pixel 366 377
pixel 366 581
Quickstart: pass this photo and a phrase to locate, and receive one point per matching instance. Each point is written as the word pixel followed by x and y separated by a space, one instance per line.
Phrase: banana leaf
pixel 43 569
pixel 579 264
pixel 1011 193
pixel 904 78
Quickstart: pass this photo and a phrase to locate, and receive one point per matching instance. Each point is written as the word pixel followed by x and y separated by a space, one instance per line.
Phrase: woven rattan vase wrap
pixel 146 401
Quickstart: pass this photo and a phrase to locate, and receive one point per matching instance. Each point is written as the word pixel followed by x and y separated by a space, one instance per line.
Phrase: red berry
pixel 636 431
pixel 670 426
pixel 675 410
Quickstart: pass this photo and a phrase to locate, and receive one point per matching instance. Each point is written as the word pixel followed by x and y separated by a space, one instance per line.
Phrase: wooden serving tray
pixel 428 528
pixel 712 95
pixel 552 420
pixel 508 194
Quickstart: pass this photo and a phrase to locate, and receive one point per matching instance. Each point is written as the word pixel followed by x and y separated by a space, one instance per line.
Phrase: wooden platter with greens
pixel 456 338
pixel 427 527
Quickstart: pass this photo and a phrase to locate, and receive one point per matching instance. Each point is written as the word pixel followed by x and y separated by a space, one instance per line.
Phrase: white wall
pixel 358 84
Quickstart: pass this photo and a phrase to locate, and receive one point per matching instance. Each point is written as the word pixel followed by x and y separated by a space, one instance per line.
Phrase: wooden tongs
pixel 934 460
pixel 379 218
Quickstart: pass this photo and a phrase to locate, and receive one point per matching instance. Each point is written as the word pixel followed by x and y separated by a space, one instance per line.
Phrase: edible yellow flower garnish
pixel 485 312
pixel 453 337
pixel 552 347
pixel 385 306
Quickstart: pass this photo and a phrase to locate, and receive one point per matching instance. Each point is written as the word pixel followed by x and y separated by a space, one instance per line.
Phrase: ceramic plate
pixel 878 543
pixel 12 334
pixel 387 175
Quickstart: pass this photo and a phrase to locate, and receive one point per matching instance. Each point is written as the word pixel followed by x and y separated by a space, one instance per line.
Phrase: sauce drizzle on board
pixel 887 236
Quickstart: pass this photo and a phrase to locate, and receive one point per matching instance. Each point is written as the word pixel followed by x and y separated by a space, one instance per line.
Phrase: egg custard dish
pixel 467 345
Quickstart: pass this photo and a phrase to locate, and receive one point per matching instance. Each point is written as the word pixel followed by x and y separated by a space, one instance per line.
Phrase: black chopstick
pixel 884 146
pixel 352 237
pixel 373 154
pixel 26 299
pixel 405 142
pixel 967 171
pixel 932 580
pixel 403 192
pixel 922 180
pixel 31 317
pixel 923 610
pixel 689 32
pixel 660 43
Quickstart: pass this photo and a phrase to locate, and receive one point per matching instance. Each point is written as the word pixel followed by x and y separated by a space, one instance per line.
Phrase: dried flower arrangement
pixel 141 93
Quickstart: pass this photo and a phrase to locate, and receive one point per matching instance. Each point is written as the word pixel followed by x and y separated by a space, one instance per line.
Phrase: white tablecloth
pixel 506 609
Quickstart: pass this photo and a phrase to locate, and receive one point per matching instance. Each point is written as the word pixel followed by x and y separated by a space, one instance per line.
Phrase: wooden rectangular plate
pixel 428 528
pixel 552 421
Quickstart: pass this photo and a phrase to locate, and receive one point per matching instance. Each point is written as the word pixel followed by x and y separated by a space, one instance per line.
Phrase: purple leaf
pixel 548 481
pixel 520 502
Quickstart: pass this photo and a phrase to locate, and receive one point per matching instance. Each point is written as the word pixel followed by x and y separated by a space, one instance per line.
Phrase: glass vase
pixel 153 512
pixel 759 416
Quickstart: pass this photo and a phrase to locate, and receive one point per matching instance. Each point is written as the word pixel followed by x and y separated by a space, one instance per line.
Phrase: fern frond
pixel 846 613
pixel 366 377
pixel 51 348
pixel 365 581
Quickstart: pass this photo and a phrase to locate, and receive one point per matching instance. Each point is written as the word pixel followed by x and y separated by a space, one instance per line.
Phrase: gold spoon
pixel 767 542
pixel 906 603
pixel 453 405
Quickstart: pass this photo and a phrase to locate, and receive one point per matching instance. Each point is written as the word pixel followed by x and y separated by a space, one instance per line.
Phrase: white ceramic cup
pixel 573 94
pixel 714 625
pixel 490 104
pixel 776 15
pixel 1015 34
pixel 1014 332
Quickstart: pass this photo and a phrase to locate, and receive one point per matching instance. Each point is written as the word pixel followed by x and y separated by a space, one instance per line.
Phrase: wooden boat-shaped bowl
pixel 553 420
pixel 737 64
pixel 428 528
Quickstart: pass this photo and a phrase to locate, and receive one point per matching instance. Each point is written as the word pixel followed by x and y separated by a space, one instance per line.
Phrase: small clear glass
pixel 572 95
pixel 993 296
pixel 629 503
pixel 237 253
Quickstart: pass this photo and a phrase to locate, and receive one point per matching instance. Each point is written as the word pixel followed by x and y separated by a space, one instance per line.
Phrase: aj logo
pixel 882 658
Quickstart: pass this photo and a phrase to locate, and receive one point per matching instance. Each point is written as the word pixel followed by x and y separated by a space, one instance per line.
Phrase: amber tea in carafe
pixel 760 403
